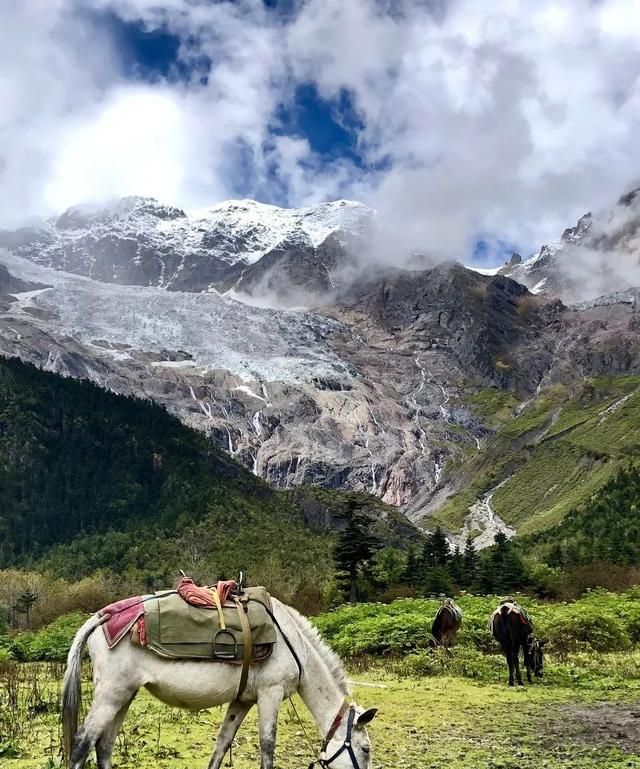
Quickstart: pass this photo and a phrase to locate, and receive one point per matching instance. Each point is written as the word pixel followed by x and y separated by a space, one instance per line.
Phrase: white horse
pixel 119 673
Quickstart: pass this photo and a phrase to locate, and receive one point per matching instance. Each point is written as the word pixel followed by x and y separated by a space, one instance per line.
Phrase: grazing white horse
pixel 119 673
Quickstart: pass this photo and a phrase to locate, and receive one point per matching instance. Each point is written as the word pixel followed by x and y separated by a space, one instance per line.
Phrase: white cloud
pixel 502 120
pixel 141 138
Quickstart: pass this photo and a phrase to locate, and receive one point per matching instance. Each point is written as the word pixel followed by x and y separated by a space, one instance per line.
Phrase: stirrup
pixel 223 655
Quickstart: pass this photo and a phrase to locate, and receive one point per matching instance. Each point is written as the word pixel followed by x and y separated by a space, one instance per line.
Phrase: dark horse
pixel 447 623
pixel 513 629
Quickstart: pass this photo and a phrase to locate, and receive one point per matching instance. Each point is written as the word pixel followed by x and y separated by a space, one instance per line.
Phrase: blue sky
pixel 331 127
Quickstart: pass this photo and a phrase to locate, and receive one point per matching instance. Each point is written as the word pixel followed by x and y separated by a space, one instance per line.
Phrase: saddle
pixel 221 623
pixel 513 608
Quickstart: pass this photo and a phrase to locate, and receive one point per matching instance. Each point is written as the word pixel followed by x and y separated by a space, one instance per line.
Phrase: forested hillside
pixel 89 479
pixel 92 480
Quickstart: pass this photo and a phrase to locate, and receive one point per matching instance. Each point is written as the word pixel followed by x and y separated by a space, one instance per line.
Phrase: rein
pixel 283 634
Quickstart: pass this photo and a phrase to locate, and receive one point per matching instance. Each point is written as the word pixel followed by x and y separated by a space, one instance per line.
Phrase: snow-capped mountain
pixel 598 255
pixel 139 241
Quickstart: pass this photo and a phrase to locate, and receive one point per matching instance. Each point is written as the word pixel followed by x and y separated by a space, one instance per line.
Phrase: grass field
pixel 423 722
pixel 436 709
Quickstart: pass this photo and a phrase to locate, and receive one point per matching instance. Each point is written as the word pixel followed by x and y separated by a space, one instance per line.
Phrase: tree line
pixel 366 569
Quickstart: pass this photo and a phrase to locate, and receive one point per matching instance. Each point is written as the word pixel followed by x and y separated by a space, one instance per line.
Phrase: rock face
pixel 10 285
pixel 370 391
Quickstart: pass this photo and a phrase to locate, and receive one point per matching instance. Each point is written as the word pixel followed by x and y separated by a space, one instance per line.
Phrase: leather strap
pixel 216 600
pixel 247 644
pixel 325 762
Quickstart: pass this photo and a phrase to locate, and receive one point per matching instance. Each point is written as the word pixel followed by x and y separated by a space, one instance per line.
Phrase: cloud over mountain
pixel 469 121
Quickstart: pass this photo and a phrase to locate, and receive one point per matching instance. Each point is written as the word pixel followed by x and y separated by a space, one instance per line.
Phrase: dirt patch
pixel 604 723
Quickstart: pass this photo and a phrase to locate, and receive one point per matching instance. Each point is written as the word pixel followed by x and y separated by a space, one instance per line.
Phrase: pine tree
pixel 456 566
pixel 354 547
pixel 24 603
pixel 470 563
pixel 501 568
pixel 411 574
pixel 438 582
pixel 436 552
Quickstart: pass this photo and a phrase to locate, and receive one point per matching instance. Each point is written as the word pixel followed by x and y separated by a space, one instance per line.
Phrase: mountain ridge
pixel 139 241
pixel 374 389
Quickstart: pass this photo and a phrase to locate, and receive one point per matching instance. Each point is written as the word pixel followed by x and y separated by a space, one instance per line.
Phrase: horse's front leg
pixel 235 715
pixel 527 662
pixel 269 702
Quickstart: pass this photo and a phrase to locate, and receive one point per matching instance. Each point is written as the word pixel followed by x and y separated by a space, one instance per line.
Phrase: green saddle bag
pixel 174 628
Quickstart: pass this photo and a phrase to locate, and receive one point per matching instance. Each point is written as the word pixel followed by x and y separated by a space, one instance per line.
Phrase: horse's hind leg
pixel 509 655
pixel 235 716
pixel 102 714
pixel 516 663
pixel 106 741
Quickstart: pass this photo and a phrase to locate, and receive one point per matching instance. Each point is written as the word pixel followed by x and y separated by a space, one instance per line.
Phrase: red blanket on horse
pixel 121 616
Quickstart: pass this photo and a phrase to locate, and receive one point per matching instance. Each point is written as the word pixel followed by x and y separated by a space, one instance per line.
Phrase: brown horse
pixel 513 630
pixel 446 624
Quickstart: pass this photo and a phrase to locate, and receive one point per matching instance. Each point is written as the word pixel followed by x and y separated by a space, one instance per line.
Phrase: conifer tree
pixel 24 603
pixel 411 574
pixel 456 566
pixel 470 563
pixel 436 552
pixel 354 547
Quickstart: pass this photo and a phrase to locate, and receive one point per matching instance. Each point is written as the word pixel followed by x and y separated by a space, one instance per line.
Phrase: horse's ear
pixel 367 717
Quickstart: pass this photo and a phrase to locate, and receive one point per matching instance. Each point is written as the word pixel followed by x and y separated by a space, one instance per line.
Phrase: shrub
pixel 579 630
pixel 49 644
pixel 5 654
pixel 599 622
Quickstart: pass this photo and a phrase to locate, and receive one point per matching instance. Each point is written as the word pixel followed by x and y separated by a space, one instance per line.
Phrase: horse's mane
pixel 329 657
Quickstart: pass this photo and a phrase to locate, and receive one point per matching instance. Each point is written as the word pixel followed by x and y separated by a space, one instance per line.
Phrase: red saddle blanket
pixel 121 616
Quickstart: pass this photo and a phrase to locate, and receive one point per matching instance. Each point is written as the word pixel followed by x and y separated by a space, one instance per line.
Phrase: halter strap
pixel 324 762
pixel 335 724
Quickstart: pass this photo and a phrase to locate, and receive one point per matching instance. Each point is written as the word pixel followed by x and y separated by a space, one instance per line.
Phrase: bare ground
pixel 605 723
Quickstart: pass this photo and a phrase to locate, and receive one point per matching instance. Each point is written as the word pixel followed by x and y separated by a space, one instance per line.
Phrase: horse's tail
pixel 71 692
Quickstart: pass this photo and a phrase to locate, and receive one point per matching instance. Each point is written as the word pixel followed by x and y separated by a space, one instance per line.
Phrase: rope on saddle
pixel 302 727
pixel 218 604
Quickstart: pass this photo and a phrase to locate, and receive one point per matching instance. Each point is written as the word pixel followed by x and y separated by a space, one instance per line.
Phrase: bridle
pixel 323 761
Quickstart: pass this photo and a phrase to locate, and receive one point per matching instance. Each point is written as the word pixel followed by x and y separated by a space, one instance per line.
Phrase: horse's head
pixel 536 647
pixel 349 746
